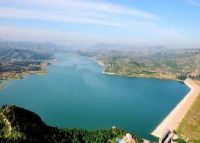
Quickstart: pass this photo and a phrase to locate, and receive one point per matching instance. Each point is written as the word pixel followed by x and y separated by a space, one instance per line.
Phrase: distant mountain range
pixel 32 46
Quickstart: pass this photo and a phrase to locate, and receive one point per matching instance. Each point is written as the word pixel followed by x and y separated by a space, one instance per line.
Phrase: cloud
pixel 88 5
pixel 193 2
pixel 80 12
pixel 67 17
pixel 103 7
pixel 110 23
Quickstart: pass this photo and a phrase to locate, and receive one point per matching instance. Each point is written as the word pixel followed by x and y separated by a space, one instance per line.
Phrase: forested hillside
pixel 18 125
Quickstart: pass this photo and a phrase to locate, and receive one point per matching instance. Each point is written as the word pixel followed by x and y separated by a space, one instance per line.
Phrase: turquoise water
pixel 75 94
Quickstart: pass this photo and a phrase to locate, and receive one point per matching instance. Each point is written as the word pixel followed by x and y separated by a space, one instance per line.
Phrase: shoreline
pixel 177 114
pixel 174 118
pixel 100 63
pixel 17 76
pixel 143 76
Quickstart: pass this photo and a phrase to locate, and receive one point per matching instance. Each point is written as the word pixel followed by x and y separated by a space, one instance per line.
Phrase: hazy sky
pixel 138 22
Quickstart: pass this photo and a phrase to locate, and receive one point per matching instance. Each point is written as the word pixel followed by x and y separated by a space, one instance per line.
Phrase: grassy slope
pixel 190 126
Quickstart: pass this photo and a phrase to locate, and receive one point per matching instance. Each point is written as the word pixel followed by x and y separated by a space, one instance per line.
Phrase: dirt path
pixel 172 121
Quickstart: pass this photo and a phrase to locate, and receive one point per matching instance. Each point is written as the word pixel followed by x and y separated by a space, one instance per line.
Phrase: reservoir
pixel 76 94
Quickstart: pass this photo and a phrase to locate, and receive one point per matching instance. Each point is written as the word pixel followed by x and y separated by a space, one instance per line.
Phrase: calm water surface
pixel 75 94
